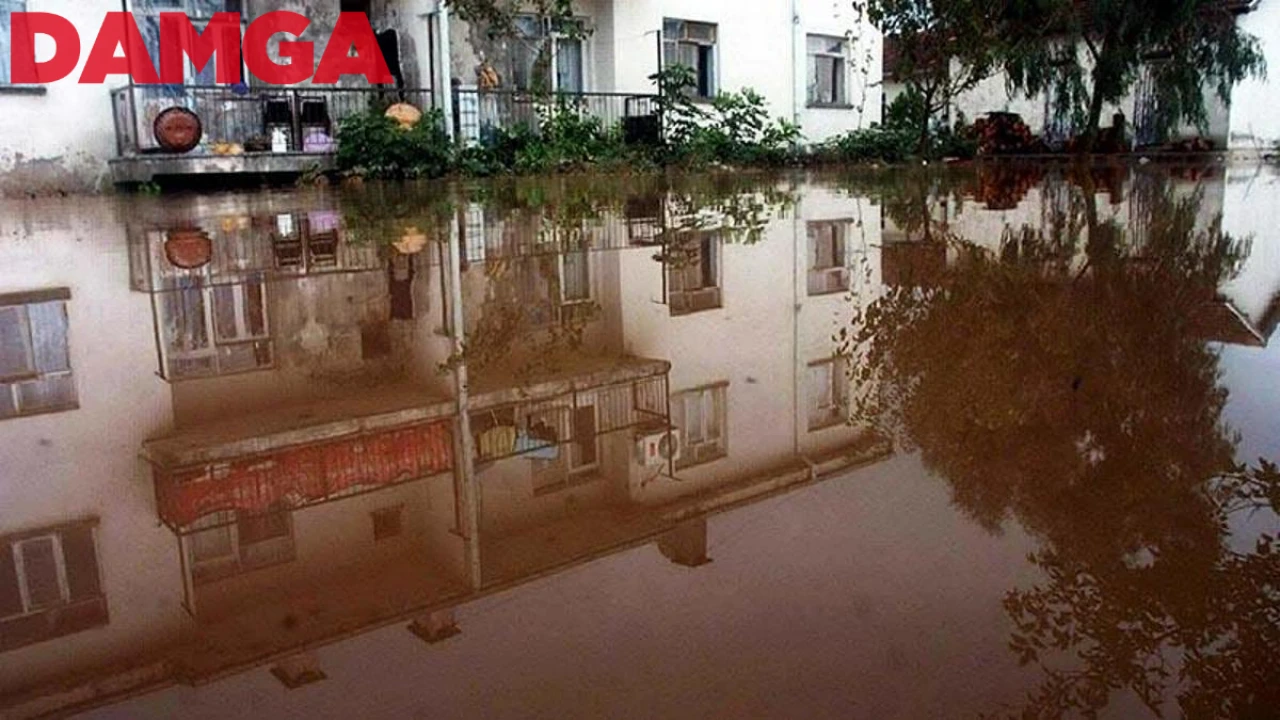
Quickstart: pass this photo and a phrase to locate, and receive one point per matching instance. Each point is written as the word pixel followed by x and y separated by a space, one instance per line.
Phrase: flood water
pixel 967 442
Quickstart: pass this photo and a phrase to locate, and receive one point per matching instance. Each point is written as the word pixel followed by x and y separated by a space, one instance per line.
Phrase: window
pixel 35 365
pixel 7 7
pixel 199 12
pixel 828 393
pixel 827 257
pixel 693 274
pixel 49 585
pixel 584 451
pixel 548 56
pixel 828 68
pixel 228 543
pixel 215 330
pixel 700 415
pixel 575 276
pixel 693 45
pixel 388 522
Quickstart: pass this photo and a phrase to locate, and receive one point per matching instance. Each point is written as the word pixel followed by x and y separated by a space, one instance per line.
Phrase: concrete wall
pixel 84 463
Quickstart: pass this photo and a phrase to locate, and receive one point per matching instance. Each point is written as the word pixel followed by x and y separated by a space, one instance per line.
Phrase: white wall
pixel 83 463
pixel 866 59
pixel 61 138
pixel 756 46
pixel 774 328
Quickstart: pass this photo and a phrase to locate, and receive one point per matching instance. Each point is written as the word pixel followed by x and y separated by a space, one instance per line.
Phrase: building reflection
pixel 375 405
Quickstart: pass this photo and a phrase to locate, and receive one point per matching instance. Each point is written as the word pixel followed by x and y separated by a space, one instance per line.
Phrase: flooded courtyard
pixel 991 441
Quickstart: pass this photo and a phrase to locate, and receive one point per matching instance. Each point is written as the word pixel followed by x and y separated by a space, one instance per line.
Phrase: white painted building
pixel 814 63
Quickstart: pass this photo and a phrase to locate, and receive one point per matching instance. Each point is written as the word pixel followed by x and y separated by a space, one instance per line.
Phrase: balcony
pixel 477 114
pixel 262 131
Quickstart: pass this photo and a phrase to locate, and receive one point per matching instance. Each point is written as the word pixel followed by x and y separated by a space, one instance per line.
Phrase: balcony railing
pixel 541 428
pixel 242 119
pixel 478 113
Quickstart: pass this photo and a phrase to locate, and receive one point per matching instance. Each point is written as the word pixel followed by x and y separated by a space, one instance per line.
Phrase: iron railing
pixel 545 426
pixel 477 114
pixel 298 119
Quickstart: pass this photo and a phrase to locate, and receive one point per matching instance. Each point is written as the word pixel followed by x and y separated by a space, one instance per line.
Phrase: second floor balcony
pixel 239 129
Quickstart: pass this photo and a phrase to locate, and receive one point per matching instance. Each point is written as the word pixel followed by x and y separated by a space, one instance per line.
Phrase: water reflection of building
pixel 1003 208
pixel 291 474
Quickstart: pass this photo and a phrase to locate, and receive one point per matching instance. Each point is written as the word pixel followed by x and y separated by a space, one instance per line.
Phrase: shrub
pixel 373 145
pixel 873 144
pixel 734 128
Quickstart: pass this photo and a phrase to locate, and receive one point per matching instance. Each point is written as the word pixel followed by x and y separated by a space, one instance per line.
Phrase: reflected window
pixel 828 257
pixel 584 451
pixel 828 385
pixel 49 585
pixel 693 274
pixel 228 543
pixel 35 362
pixel 700 415
pixel 575 276
pixel 693 45
pixel 388 522
pixel 215 330
pixel 828 68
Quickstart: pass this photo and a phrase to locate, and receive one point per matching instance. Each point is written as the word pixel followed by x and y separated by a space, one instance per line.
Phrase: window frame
pixel 683 38
pixel 707 259
pixel 7 8
pixel 213 353
pixel 547 30
pixel 82 602
pixel 838 394
pixel 718 395
pixel 816 232
pixel 54 300
pixel 236 562
pixel 841 60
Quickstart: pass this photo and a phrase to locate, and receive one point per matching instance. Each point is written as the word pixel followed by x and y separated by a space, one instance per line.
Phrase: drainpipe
pixel 796 82
pixel 446 70
pixel 467 490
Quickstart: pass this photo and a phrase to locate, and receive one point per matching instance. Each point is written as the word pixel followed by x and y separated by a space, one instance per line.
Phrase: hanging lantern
pixel 188 248
pixel 404 114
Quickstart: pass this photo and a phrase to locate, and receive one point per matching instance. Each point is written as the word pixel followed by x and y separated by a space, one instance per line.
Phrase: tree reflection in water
pixel 1063 380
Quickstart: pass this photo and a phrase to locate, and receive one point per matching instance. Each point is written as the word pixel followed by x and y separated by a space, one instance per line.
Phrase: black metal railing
pixel 239 119
pixel 478 113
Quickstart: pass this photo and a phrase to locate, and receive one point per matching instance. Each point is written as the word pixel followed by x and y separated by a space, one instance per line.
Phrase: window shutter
pixel 10 596
pixel 81 558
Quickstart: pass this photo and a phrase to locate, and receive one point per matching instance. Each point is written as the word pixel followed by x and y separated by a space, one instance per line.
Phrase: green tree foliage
pixel 1091 52
pixel 940 48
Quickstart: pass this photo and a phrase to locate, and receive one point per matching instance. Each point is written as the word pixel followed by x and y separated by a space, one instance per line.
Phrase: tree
pixel 938 49
pixel 1092 52
pixel 1062 380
